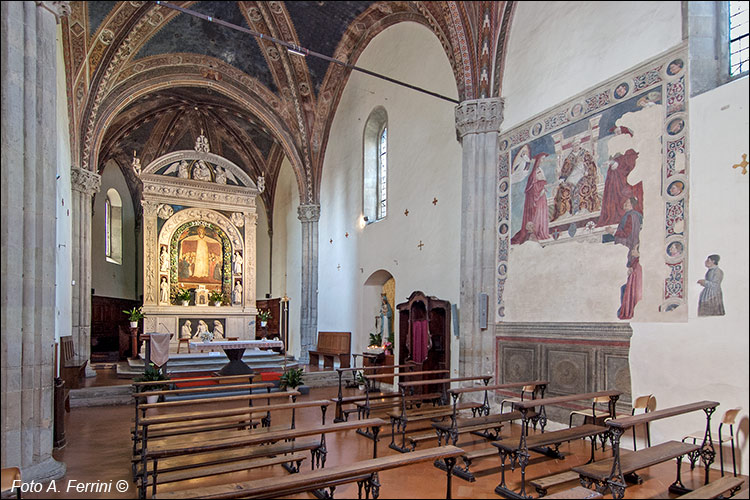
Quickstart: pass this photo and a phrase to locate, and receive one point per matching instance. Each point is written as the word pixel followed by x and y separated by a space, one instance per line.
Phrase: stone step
pixel 109 395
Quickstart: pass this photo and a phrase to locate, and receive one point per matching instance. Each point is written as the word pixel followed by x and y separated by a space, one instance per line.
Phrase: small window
pixel 738 38
pixel 383 174
pixel 113 227
pixel 375 172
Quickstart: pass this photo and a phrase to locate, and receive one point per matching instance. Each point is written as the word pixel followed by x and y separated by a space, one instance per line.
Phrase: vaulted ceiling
pixel 147 78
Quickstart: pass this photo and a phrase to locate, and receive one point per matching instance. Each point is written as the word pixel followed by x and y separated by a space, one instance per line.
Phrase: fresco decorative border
pixel 667 71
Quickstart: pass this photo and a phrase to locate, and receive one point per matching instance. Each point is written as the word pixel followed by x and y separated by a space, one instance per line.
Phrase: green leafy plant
pixel 152 374
pixel 182 294
pixel 215 296
pixel 292 378
pixel 264 315
pixel 359 379
pixel 376 339
pixel 134 314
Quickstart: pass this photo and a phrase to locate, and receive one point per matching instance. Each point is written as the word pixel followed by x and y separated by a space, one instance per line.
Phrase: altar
pixel 234 349
pixel 199 223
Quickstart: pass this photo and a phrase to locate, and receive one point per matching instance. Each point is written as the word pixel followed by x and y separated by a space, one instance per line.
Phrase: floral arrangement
pixel 264 315
pixel 134 314
pixel 216 296
pixel 207 336
pixel 182 294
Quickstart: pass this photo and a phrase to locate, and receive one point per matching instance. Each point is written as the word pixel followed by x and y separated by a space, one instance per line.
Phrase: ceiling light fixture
pixel 296 51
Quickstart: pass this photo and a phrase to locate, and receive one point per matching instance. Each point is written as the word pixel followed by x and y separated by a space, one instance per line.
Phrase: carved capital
pixel 308 213
pixel 59 9
pixel 150 208
pixel 85 181
pixel 479 116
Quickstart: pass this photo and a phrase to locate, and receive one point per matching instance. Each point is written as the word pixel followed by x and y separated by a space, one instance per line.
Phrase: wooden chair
pixel 730 418
pixel 646 403
pixel 9 475
pixel 183 341
pixel 596 416
pixel 530 389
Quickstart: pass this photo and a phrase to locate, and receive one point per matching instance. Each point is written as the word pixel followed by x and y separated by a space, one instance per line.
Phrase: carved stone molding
pixel 165 211
pixel 85 181
pixel 59 9
pixel 188 190
pixel 238 219
pixel 479 116
pixel 150 208
pixel 189 214
pixel 308 213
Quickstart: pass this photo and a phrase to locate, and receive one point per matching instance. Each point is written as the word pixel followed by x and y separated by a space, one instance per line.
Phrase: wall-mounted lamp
pixel 363 221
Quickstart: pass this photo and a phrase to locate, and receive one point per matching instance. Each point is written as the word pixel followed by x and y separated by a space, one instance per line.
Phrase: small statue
pixel 201 171
pixel 164 299
pixel 221 175
pixel 182 170
pixel 237 293
pixel 237 263
pixel 218 329
pixel 202 330
pixel 261 183
pixel 164 260
pixel 187 330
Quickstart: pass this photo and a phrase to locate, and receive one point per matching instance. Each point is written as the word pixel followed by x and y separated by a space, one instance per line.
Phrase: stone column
pixel 309 215
pixel 85 184
pixel 28 234
pixel 477 128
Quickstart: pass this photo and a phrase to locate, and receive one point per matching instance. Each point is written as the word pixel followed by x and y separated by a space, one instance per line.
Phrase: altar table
pixel 234 349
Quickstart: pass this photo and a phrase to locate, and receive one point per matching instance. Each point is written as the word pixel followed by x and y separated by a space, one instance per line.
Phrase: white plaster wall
pixel 558 49
pixel 287 251
pixel 109 279
pixel 424 162
pixel 707 358
pixel 262 252
pixel 63 260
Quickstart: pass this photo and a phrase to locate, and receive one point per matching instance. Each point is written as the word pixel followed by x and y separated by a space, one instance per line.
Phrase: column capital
pixel 478 116
pixel 58 9
pixel 308 213
pixel 150 208
pixel 85 181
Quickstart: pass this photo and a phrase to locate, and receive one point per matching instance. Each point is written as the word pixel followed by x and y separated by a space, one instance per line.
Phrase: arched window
pixel 375 173
pixel 738 38
pixel 113 227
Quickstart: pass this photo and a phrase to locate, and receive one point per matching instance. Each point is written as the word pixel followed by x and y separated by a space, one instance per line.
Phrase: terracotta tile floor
pixel 99 449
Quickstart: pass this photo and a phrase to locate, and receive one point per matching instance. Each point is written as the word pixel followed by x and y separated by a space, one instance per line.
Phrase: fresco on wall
pixel 575 175
pixel 711 301
pixel 200 256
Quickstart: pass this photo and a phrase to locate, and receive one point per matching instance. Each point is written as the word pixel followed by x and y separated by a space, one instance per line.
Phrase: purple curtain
pixel 420 340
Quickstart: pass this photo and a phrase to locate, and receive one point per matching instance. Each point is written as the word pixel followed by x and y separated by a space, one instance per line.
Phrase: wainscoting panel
pixel 574 357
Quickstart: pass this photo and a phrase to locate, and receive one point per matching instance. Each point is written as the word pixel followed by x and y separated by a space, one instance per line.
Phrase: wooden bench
pixel 716 489
pixel 578 492
pixel 332 346
pixel 400 419
pixel 340 400
pixel 540 443
pixel 252 441
pixel 175 469
pixel 72 367
pixel 364 472
pixel 543 483
pixel 612 474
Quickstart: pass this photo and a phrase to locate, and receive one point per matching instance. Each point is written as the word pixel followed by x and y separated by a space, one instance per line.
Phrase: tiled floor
pixel 99 449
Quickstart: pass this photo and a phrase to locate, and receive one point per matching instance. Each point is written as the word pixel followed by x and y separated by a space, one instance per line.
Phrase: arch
pixel 375 126
pixel 188 154
pixel 154 80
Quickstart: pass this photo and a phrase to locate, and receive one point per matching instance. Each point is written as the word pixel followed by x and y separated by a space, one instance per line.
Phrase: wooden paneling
pixel 107 318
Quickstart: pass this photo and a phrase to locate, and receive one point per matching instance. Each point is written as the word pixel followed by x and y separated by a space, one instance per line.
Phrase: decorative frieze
pixel 308 213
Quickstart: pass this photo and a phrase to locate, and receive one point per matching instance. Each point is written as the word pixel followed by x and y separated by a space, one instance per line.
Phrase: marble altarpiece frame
pixel 200 205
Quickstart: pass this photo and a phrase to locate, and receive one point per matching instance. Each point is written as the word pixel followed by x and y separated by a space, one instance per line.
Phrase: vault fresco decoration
pixel 576 174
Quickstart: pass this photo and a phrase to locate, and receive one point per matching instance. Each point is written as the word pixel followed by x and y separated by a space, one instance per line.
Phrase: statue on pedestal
pixel 237 293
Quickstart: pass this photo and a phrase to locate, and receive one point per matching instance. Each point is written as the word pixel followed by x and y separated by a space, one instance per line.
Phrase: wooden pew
pixel 340 400
pixel 716 489
pixel 365 408
pixel 365 473
pixel 72 366
pixel 175 469
pixel 612 474
pixel 332 346
pixel 400 419
pixel 519 452
pixel 448 432
pixel 252 441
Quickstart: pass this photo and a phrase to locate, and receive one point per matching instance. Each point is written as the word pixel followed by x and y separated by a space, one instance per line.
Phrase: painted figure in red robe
pixel 628 233
pixel 535 225
pixel 617 189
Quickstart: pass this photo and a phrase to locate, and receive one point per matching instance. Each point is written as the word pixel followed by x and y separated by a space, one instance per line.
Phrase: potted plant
pixel 183 295
pixel 134 315
pixel 264 316
pixel 152 374
pixel 292 379
pixel 376 339
pixel 360 379
pixel 216 297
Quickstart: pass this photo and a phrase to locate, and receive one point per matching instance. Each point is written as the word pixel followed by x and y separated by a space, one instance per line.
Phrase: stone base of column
pixel 44 472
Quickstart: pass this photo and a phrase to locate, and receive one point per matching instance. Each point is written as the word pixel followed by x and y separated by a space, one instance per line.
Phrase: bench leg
pixel 449 463
pixel 677 487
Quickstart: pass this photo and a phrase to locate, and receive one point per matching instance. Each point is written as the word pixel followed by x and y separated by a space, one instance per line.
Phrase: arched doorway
pixel 373 320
